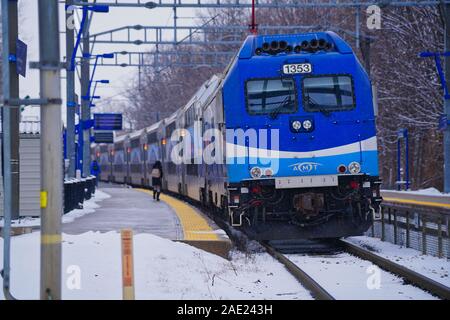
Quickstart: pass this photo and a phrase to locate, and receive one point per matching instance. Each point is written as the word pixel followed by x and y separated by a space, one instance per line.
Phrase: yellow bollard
pixel 127 264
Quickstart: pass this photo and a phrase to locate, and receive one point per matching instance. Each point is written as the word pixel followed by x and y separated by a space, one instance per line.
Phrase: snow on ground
pixel 432 267
pixel 89 206
pixel 425 192
pixel 347 277
pixel 163 270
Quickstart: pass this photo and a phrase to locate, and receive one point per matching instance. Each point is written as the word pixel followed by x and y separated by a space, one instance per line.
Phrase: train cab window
pixel 267 96
pixel 328 93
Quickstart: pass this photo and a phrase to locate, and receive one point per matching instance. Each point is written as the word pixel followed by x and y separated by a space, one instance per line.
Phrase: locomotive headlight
pixel 354 167
pixel 256 172
pixel 296 125
pixel 307 124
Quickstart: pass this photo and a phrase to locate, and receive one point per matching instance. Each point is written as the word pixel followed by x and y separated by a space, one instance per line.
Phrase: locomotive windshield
pixel 328 93
pixel 268 96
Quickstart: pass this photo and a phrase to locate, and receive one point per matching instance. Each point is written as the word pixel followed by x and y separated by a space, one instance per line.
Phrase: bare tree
pixel 409 94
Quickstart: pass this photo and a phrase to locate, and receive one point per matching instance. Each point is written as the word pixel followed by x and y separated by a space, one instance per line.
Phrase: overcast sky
pixel 116 18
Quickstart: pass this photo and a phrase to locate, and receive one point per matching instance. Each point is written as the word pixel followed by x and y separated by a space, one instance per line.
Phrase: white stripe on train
pixel 237 151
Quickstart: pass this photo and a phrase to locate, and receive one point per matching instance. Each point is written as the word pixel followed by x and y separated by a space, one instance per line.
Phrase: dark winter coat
pixel 157 181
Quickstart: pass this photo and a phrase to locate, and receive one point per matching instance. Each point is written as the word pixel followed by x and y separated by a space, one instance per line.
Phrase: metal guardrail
pixel 423 228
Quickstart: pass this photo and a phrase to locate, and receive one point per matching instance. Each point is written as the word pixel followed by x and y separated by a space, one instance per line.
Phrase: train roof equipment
pixel 307 43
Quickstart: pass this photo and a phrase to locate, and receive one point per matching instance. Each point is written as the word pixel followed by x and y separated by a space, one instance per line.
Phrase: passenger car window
pixel 265 96
pixel 328 93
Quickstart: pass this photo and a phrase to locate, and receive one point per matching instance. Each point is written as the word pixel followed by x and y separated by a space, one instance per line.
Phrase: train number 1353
pixel 297 68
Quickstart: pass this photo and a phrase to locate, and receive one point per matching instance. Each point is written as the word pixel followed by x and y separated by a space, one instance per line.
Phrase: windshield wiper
pixel 317 106
pixel 275 112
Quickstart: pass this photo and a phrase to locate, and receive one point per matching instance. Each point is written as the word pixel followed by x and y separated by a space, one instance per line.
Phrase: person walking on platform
pixel 157 174
pixel 95 171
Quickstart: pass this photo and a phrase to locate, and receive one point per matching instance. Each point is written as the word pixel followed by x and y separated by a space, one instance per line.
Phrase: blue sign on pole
pixel 21 58
pixel 107 121
pixel 104 137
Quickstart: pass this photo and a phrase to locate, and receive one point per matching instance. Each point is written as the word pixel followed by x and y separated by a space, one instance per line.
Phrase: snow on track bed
pixel 434 268
pixel 345 277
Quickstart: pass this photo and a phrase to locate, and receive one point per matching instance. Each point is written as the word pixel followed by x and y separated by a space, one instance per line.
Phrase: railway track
pixel 416 279
pixel 312 283
pixel 281 251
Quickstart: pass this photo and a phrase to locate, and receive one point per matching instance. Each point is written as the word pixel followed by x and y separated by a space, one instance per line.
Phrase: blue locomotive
pixel 282 144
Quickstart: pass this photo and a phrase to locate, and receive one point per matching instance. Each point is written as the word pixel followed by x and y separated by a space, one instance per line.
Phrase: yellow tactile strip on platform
pixel 417 202
pixel 195 227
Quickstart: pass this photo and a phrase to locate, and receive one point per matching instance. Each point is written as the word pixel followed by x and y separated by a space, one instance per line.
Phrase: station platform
pixel 416 198
pixel 170 218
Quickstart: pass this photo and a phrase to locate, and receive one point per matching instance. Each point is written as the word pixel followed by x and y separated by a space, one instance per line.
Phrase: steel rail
pixel 316 290
pixel 411 276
